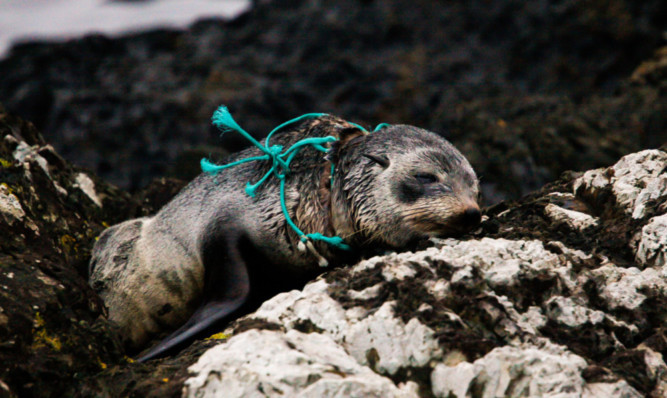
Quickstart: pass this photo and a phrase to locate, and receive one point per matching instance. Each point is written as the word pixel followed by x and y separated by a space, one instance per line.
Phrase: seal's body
pixel 213 247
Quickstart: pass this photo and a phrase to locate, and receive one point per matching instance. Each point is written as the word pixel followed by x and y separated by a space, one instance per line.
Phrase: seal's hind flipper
pixel 226 289
pixel 205 317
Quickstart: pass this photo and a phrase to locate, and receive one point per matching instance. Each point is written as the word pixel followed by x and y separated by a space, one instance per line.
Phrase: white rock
pixel 620 389
pixel 525 371
pixel 634 180
pixel 25 153
pixel 448 381
pixel 367 293
pixel 564 310
pixel 625 287
pixel 532 320
pixel 277 308
pixel 312 304
pixel 396 344
pixel 652 248
pixel 655 367
pixel 399 266
pixel 293 364
pixel 503 262
pixel 487 253
pixel 504 273
pixel 399 271
pixel 410 388
pixel 514 327
pixel 87 186
pixel 367 264
pixel 574 219
pixel 10 206
pixel 655 189
pixel 377 338
pixel 439 288
pixel 12 211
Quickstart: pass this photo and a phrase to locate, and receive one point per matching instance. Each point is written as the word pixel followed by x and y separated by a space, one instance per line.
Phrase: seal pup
pixel 213 250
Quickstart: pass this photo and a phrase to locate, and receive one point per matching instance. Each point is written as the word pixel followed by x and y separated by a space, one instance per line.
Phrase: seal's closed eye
pixel 426 178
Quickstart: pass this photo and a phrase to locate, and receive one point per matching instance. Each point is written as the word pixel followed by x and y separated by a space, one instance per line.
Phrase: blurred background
pixel 29 20
pixel 526 89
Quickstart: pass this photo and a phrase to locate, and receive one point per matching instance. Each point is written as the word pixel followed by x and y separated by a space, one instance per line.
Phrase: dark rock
pixel 52 326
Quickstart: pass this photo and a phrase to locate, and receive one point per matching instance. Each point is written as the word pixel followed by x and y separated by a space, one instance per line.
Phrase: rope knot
pixel 280 168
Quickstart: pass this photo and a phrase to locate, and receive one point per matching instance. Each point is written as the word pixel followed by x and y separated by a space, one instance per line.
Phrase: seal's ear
pixel 382 160
pixel 345 135
pixel 348 134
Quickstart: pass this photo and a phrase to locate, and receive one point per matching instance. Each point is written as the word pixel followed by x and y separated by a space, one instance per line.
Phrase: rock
pixel 652 249
pixel 513 311
pixel 51 323
pixel 10 206
pixel 526 371
pixel 565 311
pixel 523 306
pixel 387 344
pixel 274 364
pixel 379 340
pixel 87 186
pixel 635 181
pixel 642 367
pixel 574 219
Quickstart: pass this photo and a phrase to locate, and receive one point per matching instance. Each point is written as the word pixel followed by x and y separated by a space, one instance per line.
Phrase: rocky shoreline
pixel 562 289
pixel 561 292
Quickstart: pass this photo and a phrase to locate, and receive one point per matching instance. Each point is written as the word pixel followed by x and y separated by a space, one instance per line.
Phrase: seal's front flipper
pixel 226 289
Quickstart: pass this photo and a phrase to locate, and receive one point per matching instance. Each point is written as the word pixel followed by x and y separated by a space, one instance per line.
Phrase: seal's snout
pixel 466 219
pixel 471 217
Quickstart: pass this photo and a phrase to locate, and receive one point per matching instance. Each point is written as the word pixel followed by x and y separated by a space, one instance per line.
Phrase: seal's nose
pixel 471 217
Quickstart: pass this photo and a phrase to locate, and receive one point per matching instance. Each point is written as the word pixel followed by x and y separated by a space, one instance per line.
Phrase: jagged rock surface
pixel 51 324
pixel 53 332
pixel 561 293
pixel 504 313
pixel 294 364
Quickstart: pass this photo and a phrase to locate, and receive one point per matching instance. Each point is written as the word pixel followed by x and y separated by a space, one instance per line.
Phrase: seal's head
pixel 402 184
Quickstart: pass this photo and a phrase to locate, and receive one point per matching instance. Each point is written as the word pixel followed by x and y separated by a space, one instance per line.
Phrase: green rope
pixel 381 126
pixel 223 120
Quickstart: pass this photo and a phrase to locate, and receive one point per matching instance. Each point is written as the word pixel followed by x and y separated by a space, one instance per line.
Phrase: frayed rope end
pixel 210 168
pixel 223 120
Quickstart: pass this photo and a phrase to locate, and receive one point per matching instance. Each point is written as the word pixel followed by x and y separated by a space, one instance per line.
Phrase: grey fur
pixel 150 272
